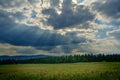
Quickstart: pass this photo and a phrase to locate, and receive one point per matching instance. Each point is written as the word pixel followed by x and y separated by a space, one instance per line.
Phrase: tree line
pixel 67 59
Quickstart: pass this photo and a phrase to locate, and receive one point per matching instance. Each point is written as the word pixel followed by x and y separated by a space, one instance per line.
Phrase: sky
pixel 58 27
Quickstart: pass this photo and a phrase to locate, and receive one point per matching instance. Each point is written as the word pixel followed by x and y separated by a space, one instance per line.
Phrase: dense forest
pixel 66 59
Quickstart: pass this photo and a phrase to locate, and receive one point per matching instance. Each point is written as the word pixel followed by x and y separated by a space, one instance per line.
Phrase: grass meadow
pixel 69 71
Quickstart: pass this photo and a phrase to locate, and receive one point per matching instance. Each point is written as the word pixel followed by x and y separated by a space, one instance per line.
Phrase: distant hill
pixel 22 57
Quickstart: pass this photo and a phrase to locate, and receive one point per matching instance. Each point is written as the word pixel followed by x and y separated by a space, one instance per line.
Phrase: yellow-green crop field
pixel 69 71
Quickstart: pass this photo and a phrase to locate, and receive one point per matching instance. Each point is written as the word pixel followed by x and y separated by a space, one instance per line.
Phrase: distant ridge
pixel 22 57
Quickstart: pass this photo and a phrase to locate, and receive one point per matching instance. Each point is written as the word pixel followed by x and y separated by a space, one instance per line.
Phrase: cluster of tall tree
pixel 67 59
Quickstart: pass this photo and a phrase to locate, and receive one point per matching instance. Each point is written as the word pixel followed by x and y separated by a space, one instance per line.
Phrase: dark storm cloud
pixel 19 34
pixel 23 35
pixel 110 8
pixel 71 15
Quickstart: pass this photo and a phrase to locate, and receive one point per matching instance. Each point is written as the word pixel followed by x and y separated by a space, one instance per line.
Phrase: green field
pixel 72 71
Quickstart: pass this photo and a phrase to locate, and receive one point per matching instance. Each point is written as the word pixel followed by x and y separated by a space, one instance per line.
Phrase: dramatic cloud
pixel 70 16
pixel 23 35
pixel 30 27
pixel 20 34
pixel 109 8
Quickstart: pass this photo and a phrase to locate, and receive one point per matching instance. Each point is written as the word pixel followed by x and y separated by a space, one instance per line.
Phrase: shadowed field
pixel 73 71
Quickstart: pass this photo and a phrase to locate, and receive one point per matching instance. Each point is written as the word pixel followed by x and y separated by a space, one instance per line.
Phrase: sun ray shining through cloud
pixel 29 27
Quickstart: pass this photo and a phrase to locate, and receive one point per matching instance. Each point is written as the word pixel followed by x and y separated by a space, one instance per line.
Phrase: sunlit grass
pixel 74 71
